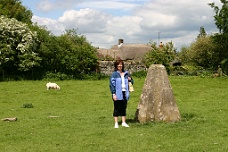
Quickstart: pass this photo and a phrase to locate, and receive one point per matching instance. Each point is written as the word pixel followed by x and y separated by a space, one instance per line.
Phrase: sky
pixel 103 22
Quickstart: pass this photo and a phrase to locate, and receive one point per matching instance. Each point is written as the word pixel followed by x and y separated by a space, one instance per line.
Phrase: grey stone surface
pixel 157 102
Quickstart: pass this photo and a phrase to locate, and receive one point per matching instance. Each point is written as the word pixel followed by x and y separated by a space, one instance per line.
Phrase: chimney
pixel 160 45
pixel 120 41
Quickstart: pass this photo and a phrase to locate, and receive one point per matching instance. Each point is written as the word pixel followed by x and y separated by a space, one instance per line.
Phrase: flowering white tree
pixel 16 44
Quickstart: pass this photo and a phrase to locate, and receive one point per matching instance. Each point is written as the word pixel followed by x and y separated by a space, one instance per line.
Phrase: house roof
pixel 126 51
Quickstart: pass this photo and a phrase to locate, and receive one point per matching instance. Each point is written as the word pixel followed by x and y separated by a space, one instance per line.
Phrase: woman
pixel 120 91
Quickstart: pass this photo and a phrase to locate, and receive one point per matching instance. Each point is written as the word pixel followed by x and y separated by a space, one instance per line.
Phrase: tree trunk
pixel 157 102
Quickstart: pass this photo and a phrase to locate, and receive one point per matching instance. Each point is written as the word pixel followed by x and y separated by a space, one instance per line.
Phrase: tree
pixel 183 55
pixel 47 47
pixel 220 39
pixel 202 53
pixel 69 53
pixel 208 51
pixel 202 32
pixel 75 54
pixel 16 45
pixel 220 42
pixel 14 9
pixel 160 55
pixel 221 16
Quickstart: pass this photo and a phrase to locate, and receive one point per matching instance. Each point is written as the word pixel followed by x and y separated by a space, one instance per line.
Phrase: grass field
pixel 78 118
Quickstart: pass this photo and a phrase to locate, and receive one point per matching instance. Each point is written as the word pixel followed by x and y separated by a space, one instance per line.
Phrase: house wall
pixel 107 67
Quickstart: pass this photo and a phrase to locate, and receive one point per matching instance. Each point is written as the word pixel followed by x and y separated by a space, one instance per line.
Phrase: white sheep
pixel 54 86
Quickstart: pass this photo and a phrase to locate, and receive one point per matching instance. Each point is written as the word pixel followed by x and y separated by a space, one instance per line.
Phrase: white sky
pixel 103 22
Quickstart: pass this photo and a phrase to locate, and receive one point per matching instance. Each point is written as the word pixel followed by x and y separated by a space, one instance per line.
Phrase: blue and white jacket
pixel 116 84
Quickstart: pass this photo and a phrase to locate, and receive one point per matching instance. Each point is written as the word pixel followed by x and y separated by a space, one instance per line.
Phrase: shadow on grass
pixel 184 117
pixel 187 116
pixel 132 120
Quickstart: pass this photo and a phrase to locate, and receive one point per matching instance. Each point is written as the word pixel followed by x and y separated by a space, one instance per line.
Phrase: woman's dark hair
pixel 117 62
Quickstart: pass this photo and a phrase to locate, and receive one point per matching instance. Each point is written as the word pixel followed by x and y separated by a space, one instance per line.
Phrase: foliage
pixel 14 9
pixel 33 48
pixel 220 39
pixel 60 76
pixel 67 56
pixel 27 105
pixel 64 57
pixel 16 45
pixel 224 66
pixel 57 76
pixel 202 53
pixel 160 55
pixel 190 70
pixel 202 33
pixel 183 55
pixel 48 48
pixel 139 74
pixel 79 118
pixel 75 54
pixel 221 16
pixel 94 76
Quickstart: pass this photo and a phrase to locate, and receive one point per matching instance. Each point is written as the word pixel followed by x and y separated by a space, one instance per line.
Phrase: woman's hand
pixel 114 97
pixel 129 78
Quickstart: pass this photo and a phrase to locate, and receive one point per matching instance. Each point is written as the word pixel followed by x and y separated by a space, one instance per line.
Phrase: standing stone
pixel 157 102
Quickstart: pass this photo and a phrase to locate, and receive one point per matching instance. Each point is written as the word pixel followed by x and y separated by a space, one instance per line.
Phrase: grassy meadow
pixel 78 118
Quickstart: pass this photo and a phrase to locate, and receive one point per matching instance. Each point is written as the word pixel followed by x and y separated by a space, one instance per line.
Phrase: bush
pixel 27 105
pixel 224 65
pixel 57 76
pixel 94 76
pixel 139 74
pixel 190 71
pixel 83 76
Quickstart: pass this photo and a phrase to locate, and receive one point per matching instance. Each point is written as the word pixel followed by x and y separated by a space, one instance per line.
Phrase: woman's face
pixel 120 66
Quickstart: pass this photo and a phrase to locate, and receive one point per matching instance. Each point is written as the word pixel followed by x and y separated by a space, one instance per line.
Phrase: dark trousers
pixel 120 106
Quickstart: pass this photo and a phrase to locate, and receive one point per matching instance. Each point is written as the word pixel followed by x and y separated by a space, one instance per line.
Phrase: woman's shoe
pixel 124 124
pixel 116 125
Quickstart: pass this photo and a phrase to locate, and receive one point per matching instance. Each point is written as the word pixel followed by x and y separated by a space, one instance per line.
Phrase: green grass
pixel 79 118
